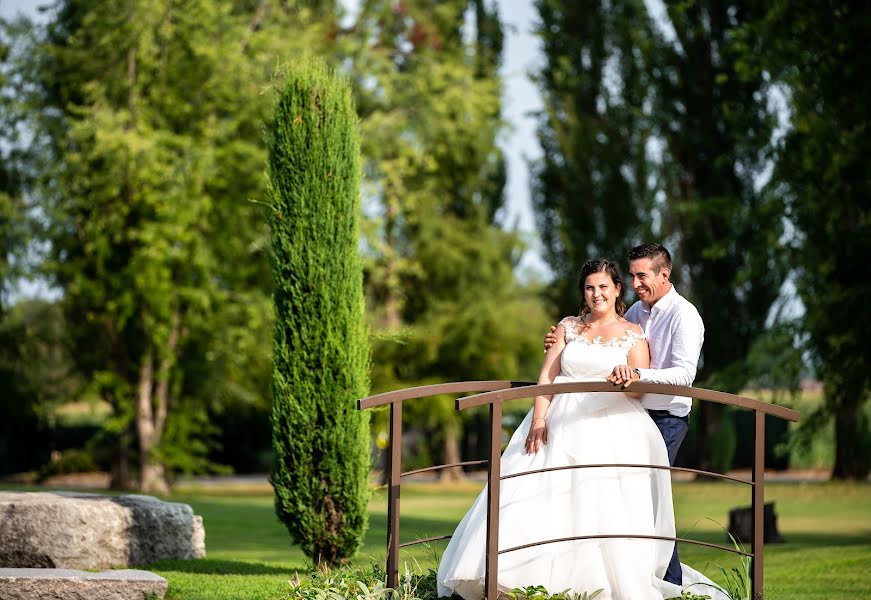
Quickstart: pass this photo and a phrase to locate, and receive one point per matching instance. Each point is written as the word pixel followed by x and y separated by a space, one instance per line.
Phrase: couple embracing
pixel 658 340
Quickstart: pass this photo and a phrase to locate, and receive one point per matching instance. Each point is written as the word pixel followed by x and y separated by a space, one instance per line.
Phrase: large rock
pixel 90 531
pixel 67 584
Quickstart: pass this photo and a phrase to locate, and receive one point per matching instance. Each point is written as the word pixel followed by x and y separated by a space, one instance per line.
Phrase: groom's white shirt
pixel 675 334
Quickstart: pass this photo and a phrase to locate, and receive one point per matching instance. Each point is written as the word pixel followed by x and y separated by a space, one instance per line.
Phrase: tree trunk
pixel 119 478
pixel 163 377
pixel 452 454
pixel 851 431
pixel 151 476
pixel 702 416
pixel 392 303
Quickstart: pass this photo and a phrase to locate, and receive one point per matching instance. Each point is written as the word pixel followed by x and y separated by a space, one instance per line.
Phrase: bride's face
pixel 600 293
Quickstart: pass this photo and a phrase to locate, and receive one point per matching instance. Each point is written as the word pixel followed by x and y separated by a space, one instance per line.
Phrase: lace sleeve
pixel 632 337
pixel 571 327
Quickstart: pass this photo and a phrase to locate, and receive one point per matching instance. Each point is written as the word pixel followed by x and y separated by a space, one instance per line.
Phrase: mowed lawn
pixel 827 528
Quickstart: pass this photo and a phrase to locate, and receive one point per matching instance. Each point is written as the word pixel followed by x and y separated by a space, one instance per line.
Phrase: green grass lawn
pixel 827 527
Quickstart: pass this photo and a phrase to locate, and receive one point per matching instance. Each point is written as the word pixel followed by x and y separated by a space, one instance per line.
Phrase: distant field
pixel 821 452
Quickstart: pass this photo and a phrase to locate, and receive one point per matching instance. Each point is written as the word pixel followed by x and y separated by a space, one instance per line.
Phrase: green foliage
pixel 539 592
pixel 429 104
pixel 817 52
pixel 365 582
pixel 713 115
pixel 441 292
pixel 723 442
pixel 36 376
pixel 591 191
pixel 320 351
pixel 13 176
pixel 368 583
pixel 70 461
pixel 712 112
pixel 188 440
pixel 737 580
pixel 647 135
pixel 146 149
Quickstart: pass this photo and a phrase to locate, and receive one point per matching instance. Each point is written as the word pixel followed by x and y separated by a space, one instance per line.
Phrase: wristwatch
pixel 637 370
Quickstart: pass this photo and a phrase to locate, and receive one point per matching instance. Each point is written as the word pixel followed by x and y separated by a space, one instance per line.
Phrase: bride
pixel 575 429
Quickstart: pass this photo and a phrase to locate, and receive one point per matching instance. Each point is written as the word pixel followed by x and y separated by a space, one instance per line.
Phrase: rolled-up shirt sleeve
pixel 688 335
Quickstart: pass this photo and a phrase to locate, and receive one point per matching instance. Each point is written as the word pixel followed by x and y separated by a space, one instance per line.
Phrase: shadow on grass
pixel 797 541
pixel 803 540
pixel 209 566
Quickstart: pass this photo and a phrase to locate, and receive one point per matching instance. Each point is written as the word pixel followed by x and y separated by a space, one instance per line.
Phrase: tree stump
pixel 741 525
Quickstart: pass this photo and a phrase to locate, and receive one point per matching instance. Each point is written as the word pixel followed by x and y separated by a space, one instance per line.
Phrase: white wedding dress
pixel 583 428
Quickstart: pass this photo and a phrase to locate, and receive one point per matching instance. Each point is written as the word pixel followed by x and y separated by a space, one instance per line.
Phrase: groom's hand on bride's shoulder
pixel 550 338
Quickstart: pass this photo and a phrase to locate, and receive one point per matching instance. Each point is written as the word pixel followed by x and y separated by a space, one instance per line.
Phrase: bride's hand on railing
pixel 537 435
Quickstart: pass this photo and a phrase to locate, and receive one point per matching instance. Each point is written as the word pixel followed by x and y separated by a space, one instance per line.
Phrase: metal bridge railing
pixel 493 394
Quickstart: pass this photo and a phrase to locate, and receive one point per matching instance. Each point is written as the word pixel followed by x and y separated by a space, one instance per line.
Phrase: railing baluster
pixel 758 502
pixel 395 468
pixel 493 485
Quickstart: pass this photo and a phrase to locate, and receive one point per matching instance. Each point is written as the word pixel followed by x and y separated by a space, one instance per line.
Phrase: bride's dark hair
pixel 601 265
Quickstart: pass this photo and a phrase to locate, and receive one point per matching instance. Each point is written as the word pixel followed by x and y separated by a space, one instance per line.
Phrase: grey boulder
pixel 91 531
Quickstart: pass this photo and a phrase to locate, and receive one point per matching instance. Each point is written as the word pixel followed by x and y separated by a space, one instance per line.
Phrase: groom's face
pixel 647 283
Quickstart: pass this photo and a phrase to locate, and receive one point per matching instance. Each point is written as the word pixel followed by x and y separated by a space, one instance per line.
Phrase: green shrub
pixel 362 583
pixel 320 349
pixel 539 592
pixel 69 461
pixel 369 583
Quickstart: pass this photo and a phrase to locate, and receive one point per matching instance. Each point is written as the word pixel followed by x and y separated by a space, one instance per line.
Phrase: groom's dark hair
pixel 655 252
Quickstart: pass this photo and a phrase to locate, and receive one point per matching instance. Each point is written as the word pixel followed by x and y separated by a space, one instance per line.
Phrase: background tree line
pixel 667 128
pixel 132 175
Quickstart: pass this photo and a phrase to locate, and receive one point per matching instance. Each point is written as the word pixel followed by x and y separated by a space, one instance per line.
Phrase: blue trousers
pixel 673 430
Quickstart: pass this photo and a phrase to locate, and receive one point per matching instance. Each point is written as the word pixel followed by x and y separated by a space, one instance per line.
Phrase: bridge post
pixel 493 474
pixel 394 476
pixel 758 503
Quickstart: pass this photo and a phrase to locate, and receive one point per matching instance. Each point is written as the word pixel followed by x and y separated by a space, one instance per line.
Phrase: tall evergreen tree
pixel 712 111
pixel 661 131
pixel 321 351
pixel 818 50
pixel 591 190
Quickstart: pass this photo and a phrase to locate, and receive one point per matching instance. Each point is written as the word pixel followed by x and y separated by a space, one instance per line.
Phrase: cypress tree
pixel 321 354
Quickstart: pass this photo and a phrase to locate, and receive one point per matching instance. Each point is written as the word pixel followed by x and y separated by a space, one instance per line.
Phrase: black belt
pixel 665 413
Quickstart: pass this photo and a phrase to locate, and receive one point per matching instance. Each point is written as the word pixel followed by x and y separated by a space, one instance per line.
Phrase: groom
pixel 675 334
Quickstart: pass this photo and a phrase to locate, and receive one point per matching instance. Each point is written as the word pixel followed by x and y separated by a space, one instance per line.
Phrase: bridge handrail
pixel 421 391
pixel 529 391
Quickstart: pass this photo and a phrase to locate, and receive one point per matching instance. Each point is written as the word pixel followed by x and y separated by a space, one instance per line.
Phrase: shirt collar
pixel 663 302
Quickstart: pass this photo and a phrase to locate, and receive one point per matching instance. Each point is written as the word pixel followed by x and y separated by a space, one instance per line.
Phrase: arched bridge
pixel 493 394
